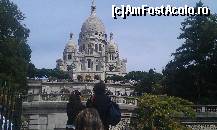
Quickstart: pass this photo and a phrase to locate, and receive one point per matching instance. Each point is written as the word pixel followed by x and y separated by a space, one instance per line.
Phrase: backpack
pixel 114 114
pixel 91 101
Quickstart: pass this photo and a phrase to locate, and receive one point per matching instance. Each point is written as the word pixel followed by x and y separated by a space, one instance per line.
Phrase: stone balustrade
pixel 202 125
pixel 125 100
pixel 205 108
pixel 118 99
pixel 65 97
pixel 45 108
pixel 206 116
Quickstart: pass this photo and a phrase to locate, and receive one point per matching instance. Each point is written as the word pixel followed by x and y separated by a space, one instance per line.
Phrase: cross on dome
pixel 71 35
pixel 93 8
pixel 93 3
pixel 111 36
pixel 93 23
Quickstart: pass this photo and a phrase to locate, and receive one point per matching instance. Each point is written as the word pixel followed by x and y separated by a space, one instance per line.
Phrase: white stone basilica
pixel 96 57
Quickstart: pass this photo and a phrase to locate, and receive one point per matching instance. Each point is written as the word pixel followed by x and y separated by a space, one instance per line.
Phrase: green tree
pixel 47 73
pixel 136 75
pixel 161 112
pixel 14 60
pixel 192 72
pixel 14 50
pixel 31 71
pixel 149 82
pixel 115 78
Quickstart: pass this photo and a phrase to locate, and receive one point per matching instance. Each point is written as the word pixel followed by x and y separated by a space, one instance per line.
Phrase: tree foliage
pixel 136 75
pixel 192 72
pixel 53 74
pixel 161 112
pixel 14 60
pixel 115 78
pixel 147 82
pixel 14 50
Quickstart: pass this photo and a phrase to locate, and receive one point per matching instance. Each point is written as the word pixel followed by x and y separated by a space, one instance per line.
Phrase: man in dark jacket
pixel 100 101
pixel 74 106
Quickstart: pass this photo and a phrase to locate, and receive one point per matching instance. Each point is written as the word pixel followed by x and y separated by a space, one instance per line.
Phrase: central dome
pixel 93 24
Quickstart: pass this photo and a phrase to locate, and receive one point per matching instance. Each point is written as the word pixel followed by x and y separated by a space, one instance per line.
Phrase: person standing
pixel 100 101
pixel 74 106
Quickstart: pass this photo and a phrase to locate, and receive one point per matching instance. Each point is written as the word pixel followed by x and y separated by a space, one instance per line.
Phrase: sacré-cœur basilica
pixel 95 56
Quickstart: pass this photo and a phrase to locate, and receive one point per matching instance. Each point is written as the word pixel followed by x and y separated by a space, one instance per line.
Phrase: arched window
pixel 91 50
pixel 97 68
pixel 69 56
pixel 100 47
pixel 87 77
pixel 81 66
pixel 96 77
pixel 83 46
pixel 80 78
pixel 88 63
pixel 96 47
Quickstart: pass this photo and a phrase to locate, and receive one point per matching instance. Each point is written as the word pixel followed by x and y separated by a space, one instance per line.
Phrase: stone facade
pixel 96 56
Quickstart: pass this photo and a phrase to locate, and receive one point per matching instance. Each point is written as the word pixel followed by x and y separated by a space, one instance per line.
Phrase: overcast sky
pixel 147 42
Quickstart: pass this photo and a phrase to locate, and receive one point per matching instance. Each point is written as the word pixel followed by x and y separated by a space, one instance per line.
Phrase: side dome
pixel 93 24
pixel 71 45
pixel 112 47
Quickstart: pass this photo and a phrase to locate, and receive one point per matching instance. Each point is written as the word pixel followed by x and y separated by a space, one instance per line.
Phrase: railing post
pixel 59 97
pixel 136 102
pixel 203 109
pixel 121 100
pixel 39 97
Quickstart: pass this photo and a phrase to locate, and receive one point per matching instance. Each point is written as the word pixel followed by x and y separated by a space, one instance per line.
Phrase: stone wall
pixel 44 108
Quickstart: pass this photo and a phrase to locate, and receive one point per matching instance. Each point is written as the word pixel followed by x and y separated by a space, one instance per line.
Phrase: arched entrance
pixel 79 78
pixel 88 78
pixel 97 77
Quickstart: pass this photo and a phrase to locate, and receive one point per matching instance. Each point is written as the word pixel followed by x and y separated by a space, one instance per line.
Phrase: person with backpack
pixel 74 106
pixel 109 111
